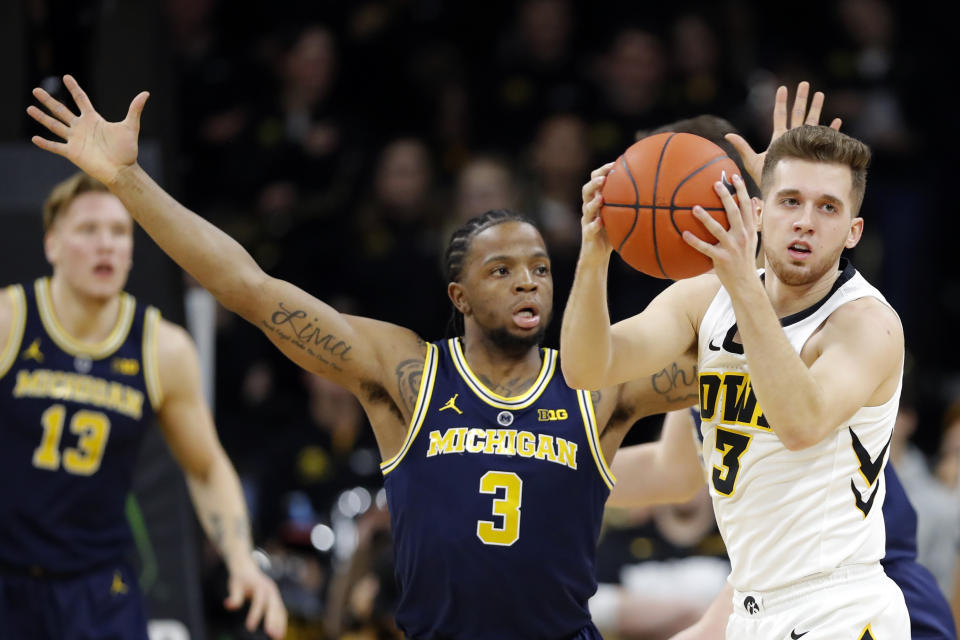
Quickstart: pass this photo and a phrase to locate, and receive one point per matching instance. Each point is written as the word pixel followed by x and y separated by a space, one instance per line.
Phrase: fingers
pixel 136 108
pixel 602 171
pixel 275 620
pixel 258 603
pixel 55 126
pixel 705 248
pixel 591 190
pixel 59 148
pixel 752 161
pixel 816 105
pixel 780 112
pixel 835 125
pixel 54 106
pixel 236 595
pixel 715 228
pixel 734 215
pixel 800 104
pixel 79 96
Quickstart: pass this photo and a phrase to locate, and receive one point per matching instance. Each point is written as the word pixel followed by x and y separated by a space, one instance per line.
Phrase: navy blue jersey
pixel 71 418
pixel 930 615
pixel 496 505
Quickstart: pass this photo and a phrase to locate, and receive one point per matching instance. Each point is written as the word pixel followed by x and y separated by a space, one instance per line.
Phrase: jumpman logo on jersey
pixel 118 587
pixel 33 351
pixel 452 404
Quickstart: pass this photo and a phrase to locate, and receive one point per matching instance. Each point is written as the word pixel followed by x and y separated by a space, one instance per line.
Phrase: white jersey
pixel 787 515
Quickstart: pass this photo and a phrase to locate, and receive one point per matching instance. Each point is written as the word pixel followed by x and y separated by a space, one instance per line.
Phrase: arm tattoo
pixel 675 383
pixel 300 329
pixel 409 373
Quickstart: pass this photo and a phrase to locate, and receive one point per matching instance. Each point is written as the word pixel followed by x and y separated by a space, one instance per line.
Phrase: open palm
pixel 799 116
pixel 99 148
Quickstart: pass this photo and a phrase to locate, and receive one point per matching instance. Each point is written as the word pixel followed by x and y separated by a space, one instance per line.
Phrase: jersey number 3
pixel 92 427
pixel 733 445
pixel 507 507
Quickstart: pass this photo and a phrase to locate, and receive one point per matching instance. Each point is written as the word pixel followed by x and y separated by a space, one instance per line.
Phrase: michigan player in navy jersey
pixel 84 370
pixel 670 469
pixel 800 370
pixel 496 470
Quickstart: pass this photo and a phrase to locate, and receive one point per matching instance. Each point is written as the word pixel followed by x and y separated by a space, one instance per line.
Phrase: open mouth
pixel 526 316
pixel 799 250
pixel 103 270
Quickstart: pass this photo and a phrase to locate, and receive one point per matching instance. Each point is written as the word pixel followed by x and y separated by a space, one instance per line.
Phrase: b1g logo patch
pixel 550 415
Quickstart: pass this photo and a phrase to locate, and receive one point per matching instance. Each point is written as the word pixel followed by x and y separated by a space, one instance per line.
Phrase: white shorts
pixel 851 603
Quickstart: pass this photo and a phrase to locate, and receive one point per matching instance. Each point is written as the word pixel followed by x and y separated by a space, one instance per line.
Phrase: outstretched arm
pixel 349 351
pixel 661 472
pixel 214 487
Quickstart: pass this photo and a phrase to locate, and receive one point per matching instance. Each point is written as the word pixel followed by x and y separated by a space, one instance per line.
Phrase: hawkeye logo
pixel 550 415
pixel 33 351
pixel 730 395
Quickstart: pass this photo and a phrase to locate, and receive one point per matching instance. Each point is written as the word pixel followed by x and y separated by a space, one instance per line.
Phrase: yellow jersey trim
pixel 424 394
pixel 18 322
pixel 593 437
pixel 94 351
pixel 151 367
pixel 513 403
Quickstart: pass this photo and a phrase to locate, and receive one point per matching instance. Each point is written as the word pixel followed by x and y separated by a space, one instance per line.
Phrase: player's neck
pixel 788 299
pixel 504 372
pixel 84 318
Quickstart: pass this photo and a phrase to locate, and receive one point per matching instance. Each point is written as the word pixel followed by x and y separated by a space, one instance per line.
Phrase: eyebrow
pixel 825 196
pixel 506 258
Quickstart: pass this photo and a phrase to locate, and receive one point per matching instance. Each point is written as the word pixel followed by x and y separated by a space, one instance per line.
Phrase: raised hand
pixel 800 115
pixel 99 148
pixel 594 235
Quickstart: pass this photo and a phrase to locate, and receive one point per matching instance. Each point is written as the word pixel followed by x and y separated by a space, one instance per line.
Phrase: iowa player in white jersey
pixel 496 470
pixel 84 369
pixel 800 373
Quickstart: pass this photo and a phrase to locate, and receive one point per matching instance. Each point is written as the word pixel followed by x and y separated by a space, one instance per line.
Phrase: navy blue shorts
pixel 104 604
pixel 930 615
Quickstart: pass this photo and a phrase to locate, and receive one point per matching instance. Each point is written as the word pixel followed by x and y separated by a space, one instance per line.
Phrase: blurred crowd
pixel 342 142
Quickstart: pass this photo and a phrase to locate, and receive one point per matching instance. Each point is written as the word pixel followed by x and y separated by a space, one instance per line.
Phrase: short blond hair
pixel 820 144
pixel 65 192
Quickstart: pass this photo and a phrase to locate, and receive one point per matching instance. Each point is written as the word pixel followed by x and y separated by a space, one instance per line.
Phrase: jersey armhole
pixel 151 371
pixel 593 437
pixel 18 321
pixel 424 395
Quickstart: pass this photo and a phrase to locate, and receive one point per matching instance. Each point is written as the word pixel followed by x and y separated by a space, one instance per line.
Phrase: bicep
pixel 662 333
pixel 859 364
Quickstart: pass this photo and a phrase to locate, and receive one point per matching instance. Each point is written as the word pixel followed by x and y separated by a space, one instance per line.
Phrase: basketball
pixel 648 199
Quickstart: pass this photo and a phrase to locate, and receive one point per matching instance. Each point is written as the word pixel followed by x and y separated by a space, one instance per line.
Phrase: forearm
pixel 220 507
pixel 786 391
pixel 212 257
pixel 585 336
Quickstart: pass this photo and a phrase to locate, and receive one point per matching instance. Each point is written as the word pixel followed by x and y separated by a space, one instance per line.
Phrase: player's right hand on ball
pixel 594 235
pixel 100 148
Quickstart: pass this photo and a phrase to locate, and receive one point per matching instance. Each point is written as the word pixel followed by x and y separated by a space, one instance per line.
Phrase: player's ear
pixel 855 233
pixel 757 209
pixel 458 297
pixel 50 246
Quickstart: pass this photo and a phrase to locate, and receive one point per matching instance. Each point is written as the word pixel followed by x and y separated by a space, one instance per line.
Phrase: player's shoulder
pixel 173 343
pixel 868 317
pixel 11 303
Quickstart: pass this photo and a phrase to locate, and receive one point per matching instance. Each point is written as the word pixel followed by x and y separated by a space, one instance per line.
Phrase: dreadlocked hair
pixel 459 245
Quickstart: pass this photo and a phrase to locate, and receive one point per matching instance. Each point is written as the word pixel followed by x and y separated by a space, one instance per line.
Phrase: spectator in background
pixel 396 230
pixel 948 461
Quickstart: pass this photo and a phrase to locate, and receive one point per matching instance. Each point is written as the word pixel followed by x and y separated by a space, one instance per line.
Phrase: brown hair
pixel 65 192
pixel 821 144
